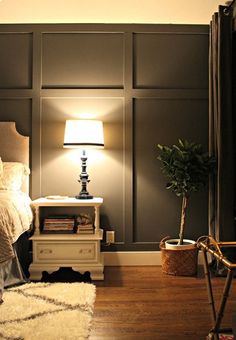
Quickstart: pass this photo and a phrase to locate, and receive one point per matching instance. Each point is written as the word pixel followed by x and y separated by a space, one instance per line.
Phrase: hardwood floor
pixel 143 303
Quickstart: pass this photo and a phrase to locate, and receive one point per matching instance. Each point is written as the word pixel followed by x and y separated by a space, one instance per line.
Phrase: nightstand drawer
pixel 66 252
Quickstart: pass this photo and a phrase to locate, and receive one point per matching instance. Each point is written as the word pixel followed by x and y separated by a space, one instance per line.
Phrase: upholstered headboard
pixel 14 147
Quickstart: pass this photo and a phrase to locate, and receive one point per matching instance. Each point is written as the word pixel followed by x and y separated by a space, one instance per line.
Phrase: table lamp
pixel 83 134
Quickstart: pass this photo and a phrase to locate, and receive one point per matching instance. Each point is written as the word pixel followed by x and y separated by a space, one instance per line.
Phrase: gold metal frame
pixel 209 245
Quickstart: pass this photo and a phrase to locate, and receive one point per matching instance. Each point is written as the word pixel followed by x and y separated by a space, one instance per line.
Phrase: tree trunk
pixel 183 217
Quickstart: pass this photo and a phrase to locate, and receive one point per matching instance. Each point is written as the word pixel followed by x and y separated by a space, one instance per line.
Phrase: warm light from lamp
pixel 83 134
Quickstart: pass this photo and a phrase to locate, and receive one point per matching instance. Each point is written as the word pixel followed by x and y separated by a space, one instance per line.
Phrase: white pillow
pixel 13 175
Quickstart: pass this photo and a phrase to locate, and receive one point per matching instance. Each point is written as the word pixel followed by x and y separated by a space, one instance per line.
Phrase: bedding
pixel 12 175
pixel 15 211
pixel 15 219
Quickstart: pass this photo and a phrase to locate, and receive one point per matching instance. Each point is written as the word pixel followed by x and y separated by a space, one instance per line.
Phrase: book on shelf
pixel 57 231
pixel 84 224
pixel 59 224
pixel 85 229
pixel 64 224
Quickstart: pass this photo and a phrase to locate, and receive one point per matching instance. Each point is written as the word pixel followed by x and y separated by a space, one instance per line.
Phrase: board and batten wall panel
pixel 170 60
pixel 105 167
pixel 16 60
pixel 82 60
pixel 148 83
pixel 19 111
pixel 157 210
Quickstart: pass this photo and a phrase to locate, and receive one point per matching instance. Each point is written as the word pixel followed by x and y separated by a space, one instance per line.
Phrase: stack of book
pixel 61 224
pixel 85 229
pixel 84 224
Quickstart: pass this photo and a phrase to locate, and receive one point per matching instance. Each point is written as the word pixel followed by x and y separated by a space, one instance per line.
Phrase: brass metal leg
pixel 208 244
pixel 216 319
pixel 209 287
pixel 224 299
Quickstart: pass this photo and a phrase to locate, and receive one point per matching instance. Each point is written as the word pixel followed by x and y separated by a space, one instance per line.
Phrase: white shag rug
pixel 47 311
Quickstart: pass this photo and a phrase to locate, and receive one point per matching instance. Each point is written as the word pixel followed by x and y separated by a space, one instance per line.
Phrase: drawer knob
pixel 88 251
pixel 45 251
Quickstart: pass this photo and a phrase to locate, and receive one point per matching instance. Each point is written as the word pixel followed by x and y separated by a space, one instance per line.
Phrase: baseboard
pixel 132 258
pixel 135 258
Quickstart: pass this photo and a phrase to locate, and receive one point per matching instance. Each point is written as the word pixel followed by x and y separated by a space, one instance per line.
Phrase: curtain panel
pixel 221 129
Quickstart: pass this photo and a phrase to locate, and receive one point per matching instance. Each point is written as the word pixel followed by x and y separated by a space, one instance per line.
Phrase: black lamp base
pixel 84 197
pixel 84 194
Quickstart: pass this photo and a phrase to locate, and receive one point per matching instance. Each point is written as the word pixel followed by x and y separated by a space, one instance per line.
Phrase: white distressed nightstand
pixel 79 251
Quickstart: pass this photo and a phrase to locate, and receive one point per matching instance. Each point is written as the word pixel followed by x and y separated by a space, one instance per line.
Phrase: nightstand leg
pixel 96 221
pixel 37 223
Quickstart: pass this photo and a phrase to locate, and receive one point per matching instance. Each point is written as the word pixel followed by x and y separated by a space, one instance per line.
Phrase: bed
pixel 15 211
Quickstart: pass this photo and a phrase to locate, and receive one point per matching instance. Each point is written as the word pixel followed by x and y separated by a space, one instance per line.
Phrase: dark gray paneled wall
pixel 148 83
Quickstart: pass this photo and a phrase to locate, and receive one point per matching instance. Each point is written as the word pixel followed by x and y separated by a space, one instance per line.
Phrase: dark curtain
pixel 221 129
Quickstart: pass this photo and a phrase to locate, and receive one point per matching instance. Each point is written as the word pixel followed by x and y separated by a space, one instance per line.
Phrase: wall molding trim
pixel 132 258
pixel 126 76
pixel 136 258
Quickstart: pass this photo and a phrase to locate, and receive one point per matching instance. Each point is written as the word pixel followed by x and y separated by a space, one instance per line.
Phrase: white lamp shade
pixel 84 134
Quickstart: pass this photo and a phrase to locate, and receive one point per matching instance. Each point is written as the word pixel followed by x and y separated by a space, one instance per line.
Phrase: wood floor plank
pixel 143 303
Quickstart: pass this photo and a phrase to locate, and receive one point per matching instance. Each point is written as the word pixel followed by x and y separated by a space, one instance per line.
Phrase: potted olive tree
pixel 186 167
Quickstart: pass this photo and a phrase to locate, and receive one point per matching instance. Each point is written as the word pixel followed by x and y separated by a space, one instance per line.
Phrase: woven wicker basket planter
pixel 179 262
